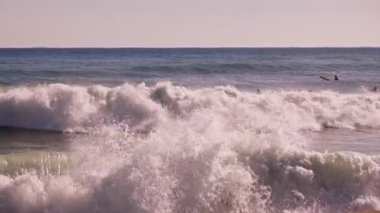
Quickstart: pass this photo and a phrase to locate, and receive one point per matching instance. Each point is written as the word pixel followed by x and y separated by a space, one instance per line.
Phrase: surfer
pixel 324 78
pixel 374 89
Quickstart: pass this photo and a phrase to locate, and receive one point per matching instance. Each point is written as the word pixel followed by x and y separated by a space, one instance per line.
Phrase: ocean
pixel 190 130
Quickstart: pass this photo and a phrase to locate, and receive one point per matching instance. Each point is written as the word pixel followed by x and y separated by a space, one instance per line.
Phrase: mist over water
pixel 237 130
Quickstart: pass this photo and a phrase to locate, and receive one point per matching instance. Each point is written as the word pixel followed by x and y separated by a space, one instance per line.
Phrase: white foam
pixel 77 108
pixel 173 149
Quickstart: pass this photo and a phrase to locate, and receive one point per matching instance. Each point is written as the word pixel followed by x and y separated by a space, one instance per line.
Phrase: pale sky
pixel 189 23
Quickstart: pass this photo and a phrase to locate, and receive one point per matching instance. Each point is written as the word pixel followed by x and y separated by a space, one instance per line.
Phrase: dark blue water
pixel 247 68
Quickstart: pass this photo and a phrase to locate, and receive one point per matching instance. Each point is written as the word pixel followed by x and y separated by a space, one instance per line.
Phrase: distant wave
pixel 254 67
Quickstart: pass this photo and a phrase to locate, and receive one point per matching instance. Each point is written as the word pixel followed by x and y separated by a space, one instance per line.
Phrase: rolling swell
pixel 174 149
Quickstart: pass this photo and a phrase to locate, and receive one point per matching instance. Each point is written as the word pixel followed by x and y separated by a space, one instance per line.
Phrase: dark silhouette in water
pixel 374 89
pixel 324 78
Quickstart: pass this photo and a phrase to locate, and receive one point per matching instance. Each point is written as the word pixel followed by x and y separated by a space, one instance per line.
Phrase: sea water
pixel 190 130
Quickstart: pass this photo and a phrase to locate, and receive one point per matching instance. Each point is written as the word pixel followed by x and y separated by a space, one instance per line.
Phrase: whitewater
pixel 189 130
pixel 169 148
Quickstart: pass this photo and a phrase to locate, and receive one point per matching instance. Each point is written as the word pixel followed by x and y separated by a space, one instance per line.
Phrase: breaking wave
pixel 169 148
pixel 70 108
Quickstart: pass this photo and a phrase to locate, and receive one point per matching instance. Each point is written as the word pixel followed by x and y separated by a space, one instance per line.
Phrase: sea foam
pixel 169 148
pixel 70 108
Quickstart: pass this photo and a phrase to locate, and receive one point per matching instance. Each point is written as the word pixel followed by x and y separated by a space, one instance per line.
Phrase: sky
pixel 189 23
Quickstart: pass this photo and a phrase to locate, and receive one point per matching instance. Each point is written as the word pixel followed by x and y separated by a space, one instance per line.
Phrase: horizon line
pixel 189 47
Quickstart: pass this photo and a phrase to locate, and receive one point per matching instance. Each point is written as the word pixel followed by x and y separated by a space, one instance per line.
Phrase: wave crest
pixel 71 108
